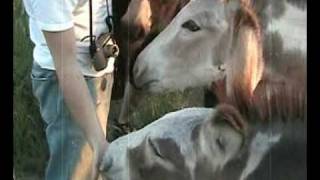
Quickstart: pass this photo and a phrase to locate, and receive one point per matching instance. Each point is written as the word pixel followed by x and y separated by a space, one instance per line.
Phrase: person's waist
pixel 86 71
pixel 42 57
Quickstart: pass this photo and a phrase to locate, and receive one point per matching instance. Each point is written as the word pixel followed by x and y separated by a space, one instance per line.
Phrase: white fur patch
pixel 260 145
pixel 292 27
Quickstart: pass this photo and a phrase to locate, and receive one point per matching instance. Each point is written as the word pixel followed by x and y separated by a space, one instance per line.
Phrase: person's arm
pixel 74 88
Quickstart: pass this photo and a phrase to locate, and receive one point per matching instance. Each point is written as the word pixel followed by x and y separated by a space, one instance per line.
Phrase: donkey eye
pixel 155 150
pixel 220 144
pixel 191 26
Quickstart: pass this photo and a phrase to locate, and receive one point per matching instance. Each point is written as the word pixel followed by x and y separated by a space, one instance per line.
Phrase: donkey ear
pixel 229 115
pixel 246 62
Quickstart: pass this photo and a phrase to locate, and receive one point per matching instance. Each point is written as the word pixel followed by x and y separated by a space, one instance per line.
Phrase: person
pixel 65 85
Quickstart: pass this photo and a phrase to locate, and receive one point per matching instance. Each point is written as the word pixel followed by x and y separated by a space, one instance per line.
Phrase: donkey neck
pixel 275 147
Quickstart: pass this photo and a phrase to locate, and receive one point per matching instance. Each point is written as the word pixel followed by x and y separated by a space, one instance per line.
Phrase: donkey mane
pixel 280 94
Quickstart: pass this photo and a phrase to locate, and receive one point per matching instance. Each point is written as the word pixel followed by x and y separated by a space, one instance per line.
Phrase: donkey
pixel 225 42
pixel 209 144
pixel 276 17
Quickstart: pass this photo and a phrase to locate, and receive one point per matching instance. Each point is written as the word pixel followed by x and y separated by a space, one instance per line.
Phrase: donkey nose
pixel 140 74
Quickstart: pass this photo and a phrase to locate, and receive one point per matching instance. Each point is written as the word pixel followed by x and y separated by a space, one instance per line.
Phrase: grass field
pixel 30 148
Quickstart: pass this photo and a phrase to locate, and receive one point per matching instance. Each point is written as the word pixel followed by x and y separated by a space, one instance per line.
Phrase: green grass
pixel 156 106
pixel 30 148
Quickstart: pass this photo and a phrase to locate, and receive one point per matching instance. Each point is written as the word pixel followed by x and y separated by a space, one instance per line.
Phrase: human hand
pixel 98 153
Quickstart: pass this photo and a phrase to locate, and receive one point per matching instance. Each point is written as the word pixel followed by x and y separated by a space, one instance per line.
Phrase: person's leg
pixel 70 153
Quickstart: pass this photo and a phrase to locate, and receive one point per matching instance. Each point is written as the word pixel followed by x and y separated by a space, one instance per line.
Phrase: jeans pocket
pixel 45 89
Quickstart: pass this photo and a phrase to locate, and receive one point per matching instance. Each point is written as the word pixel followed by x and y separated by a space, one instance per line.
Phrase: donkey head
pixel 206 144
pixel 190 143
pixel 215 142
pixel 207 41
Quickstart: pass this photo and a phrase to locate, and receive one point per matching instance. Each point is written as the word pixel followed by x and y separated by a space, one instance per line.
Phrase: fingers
pixel 97 160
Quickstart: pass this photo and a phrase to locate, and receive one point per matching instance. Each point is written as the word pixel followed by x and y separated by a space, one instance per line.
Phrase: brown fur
pixel 135 22
pixel 144 17
pixel 228 114
pixel 144 20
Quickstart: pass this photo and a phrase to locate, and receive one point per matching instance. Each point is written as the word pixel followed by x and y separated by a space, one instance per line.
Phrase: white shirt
pixel 60 15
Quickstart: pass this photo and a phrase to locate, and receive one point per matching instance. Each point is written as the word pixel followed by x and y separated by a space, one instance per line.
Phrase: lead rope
pixel 93 47
pixel 109 19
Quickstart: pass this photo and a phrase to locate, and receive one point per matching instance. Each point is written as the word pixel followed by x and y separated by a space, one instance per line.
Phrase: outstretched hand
pixel 97 159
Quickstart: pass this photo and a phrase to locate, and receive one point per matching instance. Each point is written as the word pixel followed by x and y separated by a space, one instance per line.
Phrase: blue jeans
pixel 70 153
